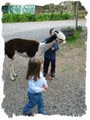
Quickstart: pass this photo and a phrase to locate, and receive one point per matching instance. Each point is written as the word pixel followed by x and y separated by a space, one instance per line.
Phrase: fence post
pixel 77 5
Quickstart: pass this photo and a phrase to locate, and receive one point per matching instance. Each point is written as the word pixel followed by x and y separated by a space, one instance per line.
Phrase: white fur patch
pixel 43 47
pixel 24 54
pixel 61 36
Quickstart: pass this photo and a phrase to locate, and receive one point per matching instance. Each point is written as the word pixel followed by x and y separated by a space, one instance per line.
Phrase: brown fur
pixel 21 45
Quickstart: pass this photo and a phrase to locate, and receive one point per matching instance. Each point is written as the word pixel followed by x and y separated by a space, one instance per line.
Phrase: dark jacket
pixel 51 54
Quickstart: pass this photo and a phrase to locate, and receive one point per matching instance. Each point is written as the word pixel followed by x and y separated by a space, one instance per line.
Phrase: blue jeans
pixel 34 99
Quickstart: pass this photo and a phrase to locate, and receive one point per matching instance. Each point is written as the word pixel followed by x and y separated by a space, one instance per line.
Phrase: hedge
pixel 53 16
pixel 9 18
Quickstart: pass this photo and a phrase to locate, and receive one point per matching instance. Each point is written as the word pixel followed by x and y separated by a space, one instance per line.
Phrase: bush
pixel 52 16
pixel 56 16
pixel 75 36
pixel 67 15
pixel 8 18
pixel 18 18
pixel 43 17
pixel 69 32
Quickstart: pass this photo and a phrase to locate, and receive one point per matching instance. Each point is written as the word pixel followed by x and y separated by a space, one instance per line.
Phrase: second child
pixel 37 85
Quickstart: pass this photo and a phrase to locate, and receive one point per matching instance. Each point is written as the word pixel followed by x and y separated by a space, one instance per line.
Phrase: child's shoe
pixel 29 114
pixel 52 74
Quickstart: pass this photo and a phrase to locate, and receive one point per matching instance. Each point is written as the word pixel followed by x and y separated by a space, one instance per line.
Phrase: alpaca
pixel 30 48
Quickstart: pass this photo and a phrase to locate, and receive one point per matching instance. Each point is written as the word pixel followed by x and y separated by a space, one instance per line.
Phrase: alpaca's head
pixel 60 37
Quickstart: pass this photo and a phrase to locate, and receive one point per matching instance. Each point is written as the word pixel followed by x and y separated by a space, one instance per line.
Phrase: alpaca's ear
pixel 56 33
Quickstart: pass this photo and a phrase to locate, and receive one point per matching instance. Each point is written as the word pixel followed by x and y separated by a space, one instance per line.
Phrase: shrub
pixel 40 17
pixel 75 36
pixel 67 15
pixel 43 17
pixel 53 16
pixel 18 18
pixel 69 32
pixel 56 16
pixel 6 18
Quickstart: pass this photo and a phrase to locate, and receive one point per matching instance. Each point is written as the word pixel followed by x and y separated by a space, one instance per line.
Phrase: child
pixel 50 56
pixel 36 86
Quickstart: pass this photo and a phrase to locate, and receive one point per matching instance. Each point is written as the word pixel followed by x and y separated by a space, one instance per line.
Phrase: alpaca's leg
pixel 12 72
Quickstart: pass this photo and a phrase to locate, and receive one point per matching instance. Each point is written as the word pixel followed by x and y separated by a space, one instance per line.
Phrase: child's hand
pixel 45 86
pixel 53 48
pixel 44 89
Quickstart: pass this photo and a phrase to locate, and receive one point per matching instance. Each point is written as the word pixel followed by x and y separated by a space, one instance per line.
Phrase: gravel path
pixel 66 93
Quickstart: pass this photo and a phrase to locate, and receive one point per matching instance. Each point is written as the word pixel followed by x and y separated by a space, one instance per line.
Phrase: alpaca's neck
pixel 43 47
pixel 50 39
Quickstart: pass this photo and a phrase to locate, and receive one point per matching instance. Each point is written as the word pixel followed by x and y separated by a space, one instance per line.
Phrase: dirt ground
pixel 66 92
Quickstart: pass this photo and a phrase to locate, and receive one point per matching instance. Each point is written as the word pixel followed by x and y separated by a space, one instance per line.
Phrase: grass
pixel 75 37
pixel 75 42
